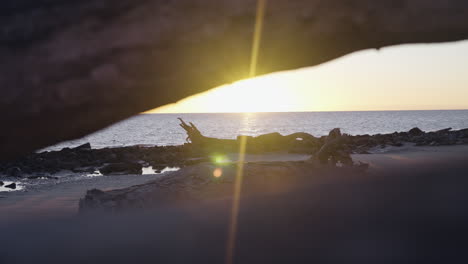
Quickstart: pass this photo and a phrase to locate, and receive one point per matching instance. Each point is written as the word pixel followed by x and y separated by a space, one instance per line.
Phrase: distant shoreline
pixel 337 111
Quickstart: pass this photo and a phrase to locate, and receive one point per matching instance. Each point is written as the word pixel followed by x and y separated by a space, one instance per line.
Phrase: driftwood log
pixel 71 67
pixel 335 148
pixel 296 142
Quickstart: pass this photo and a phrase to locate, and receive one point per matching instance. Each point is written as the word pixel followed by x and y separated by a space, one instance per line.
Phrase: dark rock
pixel 111 157
pixel 65 150
pixel 159 168
pixel 86 146
pixel 463 133
pixel 83 159
pixel 11 186
pixel 1 183
pixel 84 170
pixel 121 168
pixel 13 172
pixel 334 149
pixel 445 130
pixel 415 131
pixel 42 177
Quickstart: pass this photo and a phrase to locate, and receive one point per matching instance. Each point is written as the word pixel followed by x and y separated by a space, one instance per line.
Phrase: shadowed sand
pixel 409 208
pixel 62 200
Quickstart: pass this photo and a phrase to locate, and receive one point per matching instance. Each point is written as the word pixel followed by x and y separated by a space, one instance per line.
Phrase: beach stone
pixel 84 170
pixel 121 168
pixel 463 133
pixel 159 168
pixel 13 172
pixel 11 186
pixel 335 149
pixel 445 130
pixel 86 146
pixel 42 176
pixel 415 131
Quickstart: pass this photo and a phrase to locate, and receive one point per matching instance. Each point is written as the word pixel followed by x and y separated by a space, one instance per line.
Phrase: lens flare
pixel 218 172
pixel 220 159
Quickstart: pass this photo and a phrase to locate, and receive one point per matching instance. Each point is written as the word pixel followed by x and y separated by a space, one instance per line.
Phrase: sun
pixel 253 95
pixel 261 94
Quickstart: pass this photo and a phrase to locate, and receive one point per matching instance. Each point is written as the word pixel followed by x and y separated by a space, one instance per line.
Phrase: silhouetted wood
pixel 327 149
pixel 263 143
pixel 72 67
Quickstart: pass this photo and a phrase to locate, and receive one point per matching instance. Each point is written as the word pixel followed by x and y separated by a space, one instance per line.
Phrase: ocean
pixel 163 129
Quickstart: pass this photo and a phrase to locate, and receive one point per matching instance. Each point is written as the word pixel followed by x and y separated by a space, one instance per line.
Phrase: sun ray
pixel 261 5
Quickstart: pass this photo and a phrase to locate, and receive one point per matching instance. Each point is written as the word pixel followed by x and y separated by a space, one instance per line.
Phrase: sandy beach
pixel 61 200
pixel 407 195
pixel 52 201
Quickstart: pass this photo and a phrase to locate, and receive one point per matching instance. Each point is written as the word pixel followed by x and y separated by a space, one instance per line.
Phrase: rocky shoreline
pixel 131 160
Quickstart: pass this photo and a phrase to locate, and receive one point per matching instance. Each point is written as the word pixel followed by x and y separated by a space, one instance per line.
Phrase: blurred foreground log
pixel 72 67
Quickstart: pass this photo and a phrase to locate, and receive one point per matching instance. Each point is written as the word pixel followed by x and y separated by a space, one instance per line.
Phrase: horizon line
pixel 315 111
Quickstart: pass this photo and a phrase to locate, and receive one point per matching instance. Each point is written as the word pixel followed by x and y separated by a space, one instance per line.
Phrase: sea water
pixel 164 129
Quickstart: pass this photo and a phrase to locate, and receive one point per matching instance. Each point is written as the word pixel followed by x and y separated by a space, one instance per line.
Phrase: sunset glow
pixel 410 77
pixel 254 95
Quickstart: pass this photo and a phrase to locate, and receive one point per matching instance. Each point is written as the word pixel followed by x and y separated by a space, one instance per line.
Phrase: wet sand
pixel 52 201
pixel 60 200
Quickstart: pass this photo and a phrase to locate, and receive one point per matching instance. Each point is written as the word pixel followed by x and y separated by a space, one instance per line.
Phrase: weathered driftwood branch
pixel 193 134
pixel 71 67
pixel 302 142
pixel 332 148
pixel 336 147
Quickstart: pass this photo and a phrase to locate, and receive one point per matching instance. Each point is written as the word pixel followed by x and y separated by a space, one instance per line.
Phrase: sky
pixel 406 77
